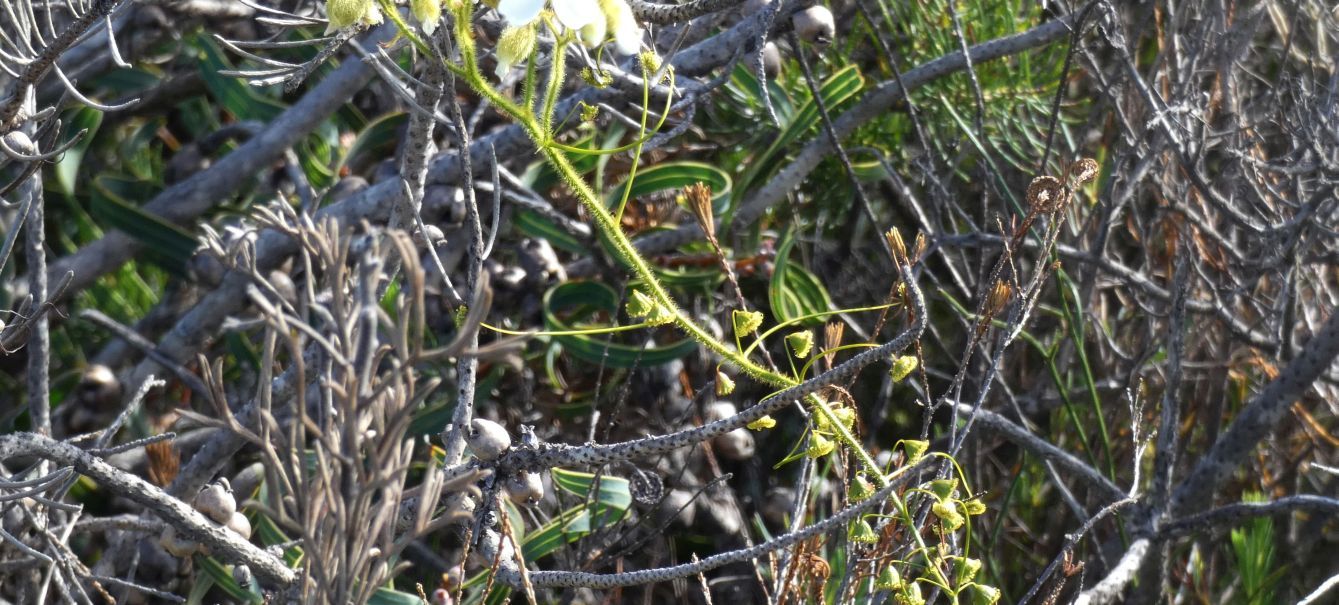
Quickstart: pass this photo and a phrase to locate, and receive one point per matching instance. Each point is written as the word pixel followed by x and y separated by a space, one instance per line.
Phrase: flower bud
pixel 724 385
pixel 428 13
pixel 514 46
pixel 903 366
pixel 746 322
pixel 346 13
pixel 766 422
pixel 819 446
pixel 801 343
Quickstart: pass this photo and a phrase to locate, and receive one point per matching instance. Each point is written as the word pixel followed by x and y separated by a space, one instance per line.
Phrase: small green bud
pixel 724 385
pixel 746 322
pixel 640 304
pixel 983 595
pixel 942 488
pixel 947 511
pixel 346 13
pixel 589 112
pixel 860 488
pixel 599 79
pixel 910 595
pixel 915 449
pixel 820 446
pixel 967 569
pixel 862 532
pixel 846 416
pixel 820 420
pixel 650 61
pixel 903 366
pixel 974 507
pixel 514 46
pixel 766 422
pixel 889 579
pixel 801 343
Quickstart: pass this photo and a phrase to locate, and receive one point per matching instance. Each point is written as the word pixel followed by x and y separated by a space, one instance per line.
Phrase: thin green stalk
pixel 539 130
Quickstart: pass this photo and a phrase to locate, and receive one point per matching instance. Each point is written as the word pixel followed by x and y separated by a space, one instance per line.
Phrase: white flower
pixel 627 34
pixel 520 12
pixel 593 20
pixel 428 12
pixel 576 14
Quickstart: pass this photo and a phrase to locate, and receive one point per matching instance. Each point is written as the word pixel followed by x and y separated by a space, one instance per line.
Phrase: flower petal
pixel 577 14
pixel 627 40
pixel 372 16
pixel 520 12
pixel 428 12
pixel 593 33
pixel 627 34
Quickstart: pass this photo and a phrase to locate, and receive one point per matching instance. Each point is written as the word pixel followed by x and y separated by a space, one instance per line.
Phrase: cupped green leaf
pixel 375 143
pixel 674 176
pixel 67 168
pixel 795 292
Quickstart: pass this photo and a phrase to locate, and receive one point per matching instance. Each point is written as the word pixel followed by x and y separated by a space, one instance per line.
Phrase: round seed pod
pixel 487 439
pixel 346 188
pixel 678 507
pixel 175 545
pixel 284 286
pixel 735 445
pixel 240 525
pixel 99 388
pixel 19 141
pixel 429 235
pixel 752 7
pixel 206 268
pixel 771 60
pixel 814 25
pixel 454 575
pixel 216 501
pixel 778 504
pixel 242 575
pixel 525 487
pixel 718 411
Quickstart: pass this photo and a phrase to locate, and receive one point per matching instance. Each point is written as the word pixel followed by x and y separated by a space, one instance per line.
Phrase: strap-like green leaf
pixel 794 291
pixel 168 245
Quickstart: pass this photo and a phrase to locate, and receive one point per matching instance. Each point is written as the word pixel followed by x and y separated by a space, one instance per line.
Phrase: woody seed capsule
pixel 814 25
pixel 487 439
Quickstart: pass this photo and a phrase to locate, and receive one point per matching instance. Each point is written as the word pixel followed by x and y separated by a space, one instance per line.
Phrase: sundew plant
pixel 605 301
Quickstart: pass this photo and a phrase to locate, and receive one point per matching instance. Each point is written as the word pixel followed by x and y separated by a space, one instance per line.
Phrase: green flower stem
pixel 540 132
pixel 924 548
pixel 637 155
pixel 625 250
pixel 557 69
